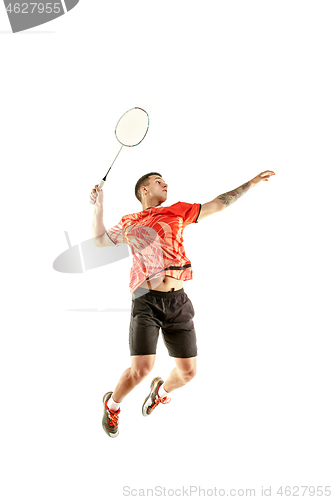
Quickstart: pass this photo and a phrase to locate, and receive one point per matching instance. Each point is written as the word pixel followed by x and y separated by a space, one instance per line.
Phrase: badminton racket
pixel 131 129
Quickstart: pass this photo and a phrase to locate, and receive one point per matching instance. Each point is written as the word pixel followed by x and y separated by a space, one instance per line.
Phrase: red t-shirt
pixel 155 237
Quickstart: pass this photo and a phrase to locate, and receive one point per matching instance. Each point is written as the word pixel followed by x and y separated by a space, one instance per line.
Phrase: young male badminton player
pixel 160 267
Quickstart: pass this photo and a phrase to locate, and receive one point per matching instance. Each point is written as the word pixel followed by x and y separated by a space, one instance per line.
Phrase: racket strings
pixel 132 127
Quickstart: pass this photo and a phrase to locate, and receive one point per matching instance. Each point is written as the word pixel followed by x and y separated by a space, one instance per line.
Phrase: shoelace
pixel 159 400
pixel 112 417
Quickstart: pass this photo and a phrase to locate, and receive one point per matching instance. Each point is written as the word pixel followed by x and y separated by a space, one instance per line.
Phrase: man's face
pixel 158 187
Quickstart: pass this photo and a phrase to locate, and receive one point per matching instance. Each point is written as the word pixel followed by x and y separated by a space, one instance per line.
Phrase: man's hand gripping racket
pixel 130 130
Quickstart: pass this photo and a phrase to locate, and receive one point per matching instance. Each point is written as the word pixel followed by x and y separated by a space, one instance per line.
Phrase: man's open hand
pixel 264 176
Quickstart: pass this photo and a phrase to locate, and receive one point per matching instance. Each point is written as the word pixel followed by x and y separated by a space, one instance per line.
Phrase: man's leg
pixel 184 371
pixel 180 339
pixel 141 366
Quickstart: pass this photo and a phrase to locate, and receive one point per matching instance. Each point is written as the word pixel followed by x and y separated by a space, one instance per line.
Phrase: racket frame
pixel 101 184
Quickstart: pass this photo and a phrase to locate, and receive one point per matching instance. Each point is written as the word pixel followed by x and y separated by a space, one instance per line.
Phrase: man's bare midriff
pixel 168 284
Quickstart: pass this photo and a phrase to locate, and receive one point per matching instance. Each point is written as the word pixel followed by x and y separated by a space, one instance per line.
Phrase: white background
pixel 232 89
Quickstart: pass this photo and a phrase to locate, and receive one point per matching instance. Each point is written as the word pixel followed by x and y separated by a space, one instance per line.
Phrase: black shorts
pixel 172 312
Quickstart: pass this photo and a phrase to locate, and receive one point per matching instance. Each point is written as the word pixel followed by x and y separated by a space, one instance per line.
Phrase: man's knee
pixel 141 372
pixel 188 374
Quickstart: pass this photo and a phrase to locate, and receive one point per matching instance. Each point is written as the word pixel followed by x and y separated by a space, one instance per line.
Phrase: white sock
pixel 162 392
pixel 112 405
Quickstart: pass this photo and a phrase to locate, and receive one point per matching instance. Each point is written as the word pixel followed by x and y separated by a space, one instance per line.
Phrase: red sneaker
pixel 110 417
pixel 153 399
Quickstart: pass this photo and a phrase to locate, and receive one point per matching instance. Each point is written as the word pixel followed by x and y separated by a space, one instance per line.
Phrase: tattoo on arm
pixel 230 197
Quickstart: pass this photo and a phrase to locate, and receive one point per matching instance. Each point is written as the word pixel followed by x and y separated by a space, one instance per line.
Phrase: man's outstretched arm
pixel 224 200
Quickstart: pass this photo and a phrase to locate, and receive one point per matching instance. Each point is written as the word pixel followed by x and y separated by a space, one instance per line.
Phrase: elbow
pixel 219 206
pixel 97 241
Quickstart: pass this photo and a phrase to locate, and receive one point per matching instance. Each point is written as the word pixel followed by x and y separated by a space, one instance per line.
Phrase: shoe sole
pixel 154 381
pixel 110 434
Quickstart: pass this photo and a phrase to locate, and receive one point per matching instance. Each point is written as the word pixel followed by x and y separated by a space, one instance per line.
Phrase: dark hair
pixel 143 181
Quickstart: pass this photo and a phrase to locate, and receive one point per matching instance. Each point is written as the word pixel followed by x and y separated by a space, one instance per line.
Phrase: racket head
pixel 132 127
